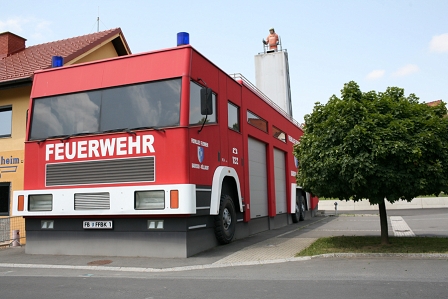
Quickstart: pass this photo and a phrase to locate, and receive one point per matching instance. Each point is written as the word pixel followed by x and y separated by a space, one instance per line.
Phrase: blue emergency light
pixel 183 38
pixel 57 61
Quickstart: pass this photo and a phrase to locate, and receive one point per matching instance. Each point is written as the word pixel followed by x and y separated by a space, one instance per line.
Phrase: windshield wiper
pixel 61 137
pixel 78 134
pixel 58 136
pixel 127 130
pixel 113 130
pixel 83 133
pixel 148 128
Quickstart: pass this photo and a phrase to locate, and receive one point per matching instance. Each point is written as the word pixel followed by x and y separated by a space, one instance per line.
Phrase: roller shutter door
pixel 258 179
pixel 280 181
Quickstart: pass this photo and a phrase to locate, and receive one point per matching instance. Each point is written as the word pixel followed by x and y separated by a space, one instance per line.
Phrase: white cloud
pixel 41 30
pixel 439 43
pixel 375 74
pixel 406 70
pixel 34 30
pixel 14 25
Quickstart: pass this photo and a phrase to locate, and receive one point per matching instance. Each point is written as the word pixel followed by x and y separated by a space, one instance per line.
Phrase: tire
pixel 301 208
pixel 225 221
pixel 299 214
pixel 296 214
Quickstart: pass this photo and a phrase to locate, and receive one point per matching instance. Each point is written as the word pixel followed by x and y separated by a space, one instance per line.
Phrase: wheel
pixel 301 208
pixel 225 221
pixel 296 214
pixel 299 214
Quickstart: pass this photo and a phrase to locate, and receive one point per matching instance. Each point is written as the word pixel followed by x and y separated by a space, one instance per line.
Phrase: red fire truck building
pixel 156 154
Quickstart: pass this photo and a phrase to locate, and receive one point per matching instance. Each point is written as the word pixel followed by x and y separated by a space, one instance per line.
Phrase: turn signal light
pixel 174 199
pixel 21 203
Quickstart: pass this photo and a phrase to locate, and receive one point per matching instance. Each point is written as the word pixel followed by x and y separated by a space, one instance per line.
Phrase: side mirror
pixel 206 101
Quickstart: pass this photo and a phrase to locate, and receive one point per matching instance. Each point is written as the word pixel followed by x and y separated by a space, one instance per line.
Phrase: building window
pixel 233 117
pixel 196 118
pixel 257 121
pixel 279 134
pixel 4 199
pixel 5 121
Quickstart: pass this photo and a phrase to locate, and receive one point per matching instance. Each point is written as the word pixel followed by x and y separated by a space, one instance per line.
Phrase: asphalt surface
pixel 270 247
pixel 336 278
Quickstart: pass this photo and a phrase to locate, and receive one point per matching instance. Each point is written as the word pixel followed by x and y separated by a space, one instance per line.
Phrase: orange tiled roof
pixel 21 65
pixel 434 103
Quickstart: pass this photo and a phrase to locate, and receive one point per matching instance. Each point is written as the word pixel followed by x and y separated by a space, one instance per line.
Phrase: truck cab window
pixel 257 121
pixel 196 118
pixel 233 117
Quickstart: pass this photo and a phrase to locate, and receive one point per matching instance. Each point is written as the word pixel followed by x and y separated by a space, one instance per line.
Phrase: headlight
pixel 150 200
pixel 41 202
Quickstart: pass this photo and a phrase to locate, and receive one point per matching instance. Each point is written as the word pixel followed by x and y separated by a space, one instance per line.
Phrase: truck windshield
pixel 153 104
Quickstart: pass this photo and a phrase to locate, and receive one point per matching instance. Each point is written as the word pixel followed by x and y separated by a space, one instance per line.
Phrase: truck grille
pixel 92 201
pixel 101 172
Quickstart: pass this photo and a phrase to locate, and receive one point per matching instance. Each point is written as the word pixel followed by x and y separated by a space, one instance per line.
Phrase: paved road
pixel 423 222
pixel 261 266
pixel 278 245
pixel 316 278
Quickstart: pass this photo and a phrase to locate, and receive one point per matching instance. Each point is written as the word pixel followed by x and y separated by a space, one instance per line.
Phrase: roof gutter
pixel 13 83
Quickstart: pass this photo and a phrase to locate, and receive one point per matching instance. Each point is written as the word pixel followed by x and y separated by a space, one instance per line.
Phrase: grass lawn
pixel 421 196
pixel 356 244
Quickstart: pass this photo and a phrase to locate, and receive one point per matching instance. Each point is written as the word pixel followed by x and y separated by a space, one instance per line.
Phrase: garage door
pixel 280 181
pixel 258 179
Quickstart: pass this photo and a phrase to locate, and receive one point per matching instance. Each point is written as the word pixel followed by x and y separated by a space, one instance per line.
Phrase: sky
pixel 376 43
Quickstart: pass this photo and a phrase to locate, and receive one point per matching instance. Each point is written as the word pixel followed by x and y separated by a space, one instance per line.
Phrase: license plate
pixel 97 224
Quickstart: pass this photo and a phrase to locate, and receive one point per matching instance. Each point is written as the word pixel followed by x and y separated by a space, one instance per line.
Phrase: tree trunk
pixel 383 221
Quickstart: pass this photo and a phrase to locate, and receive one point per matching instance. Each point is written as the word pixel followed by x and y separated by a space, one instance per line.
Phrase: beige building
pixel 17 66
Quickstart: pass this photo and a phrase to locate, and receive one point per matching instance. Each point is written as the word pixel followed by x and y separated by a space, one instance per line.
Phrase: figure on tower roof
pixel 272 40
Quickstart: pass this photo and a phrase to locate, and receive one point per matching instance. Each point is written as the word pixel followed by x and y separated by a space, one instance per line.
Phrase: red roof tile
pixel 21 65
pixel 434 103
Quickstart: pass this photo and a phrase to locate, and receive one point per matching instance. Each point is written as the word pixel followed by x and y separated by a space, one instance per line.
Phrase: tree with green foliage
pixel 374 145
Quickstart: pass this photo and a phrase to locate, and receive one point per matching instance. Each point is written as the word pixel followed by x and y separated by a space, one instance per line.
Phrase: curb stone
pixel 372 255
pixel 213 266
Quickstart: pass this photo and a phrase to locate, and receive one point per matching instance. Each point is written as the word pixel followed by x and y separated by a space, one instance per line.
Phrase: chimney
pixel 10 44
